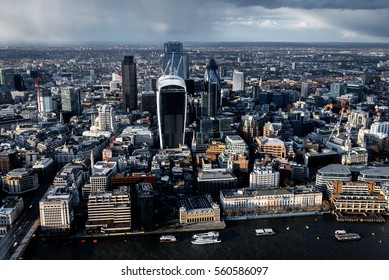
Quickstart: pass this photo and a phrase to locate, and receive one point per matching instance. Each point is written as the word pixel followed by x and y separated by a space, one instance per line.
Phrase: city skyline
pixel 150 21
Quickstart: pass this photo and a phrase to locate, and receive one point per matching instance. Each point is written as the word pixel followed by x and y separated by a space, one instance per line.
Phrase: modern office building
pixel 332 173
pixel 174 61
pixel 238 81
pixel 110 212
pixel 236 145
pixel 357 197
pixel 305 89
pixel 211 97
pixel 19 181
pixel 374 175
pixel 7 77
pixel 45 169
pixel 106 122
pixel 214 180
pixel 336 90
pixel 129 84
pixel 171 111
pixel 100 181
pixel 380 129
pixel 71 100
pixel 56 209
pixel 209 128
pixel 270 146
pixel 45 100
pixel 264 177
pixel 74 175
pixel 145 204
pixel 148 102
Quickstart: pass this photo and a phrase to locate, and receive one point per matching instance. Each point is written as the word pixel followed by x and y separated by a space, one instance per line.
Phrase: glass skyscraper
pixel 211 96
pixel 129 82
pixel 171 110
pixel 174 62
pixel 71 100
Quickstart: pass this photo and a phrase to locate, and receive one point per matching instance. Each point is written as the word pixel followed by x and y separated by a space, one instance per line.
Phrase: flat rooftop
pixel 335 169
pixel 377 171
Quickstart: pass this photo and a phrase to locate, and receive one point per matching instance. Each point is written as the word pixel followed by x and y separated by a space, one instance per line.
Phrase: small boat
pixel 205 241
pixel 287 228
pixel 209 234
pixel 343 235
pixel 306 226
pixel 168 239
pixel 264 231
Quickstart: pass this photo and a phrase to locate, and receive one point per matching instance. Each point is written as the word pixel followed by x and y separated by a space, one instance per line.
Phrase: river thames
pixel 309 238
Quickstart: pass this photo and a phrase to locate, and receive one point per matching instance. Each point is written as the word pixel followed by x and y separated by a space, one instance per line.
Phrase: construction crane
pixel 37 80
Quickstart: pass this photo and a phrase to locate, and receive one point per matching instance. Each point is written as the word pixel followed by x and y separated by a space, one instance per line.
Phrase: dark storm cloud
pixel 190 20
pixel 314 4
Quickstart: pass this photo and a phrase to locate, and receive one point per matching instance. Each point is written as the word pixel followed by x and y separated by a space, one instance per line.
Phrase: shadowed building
pixel 171 111
pixel 129 82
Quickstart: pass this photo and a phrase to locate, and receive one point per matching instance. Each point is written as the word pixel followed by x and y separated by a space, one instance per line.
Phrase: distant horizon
pixel 4 45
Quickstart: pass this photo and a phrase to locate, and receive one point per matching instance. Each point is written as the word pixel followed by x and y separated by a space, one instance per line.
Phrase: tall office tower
pixel 336 89
pixel 237 81
pixel 71 100
pixel 5 95
pixel 151 84
pixel 305 89
pixel 45 100
pixel 211 97
pixel 171 110
pixel 106 118
pixel 7 77
pixel 145 204
pixel 148 102
pixel 175 62
pixel 129 82
pixel 19 82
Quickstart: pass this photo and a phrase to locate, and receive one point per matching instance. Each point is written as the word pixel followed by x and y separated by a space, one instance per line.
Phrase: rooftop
pixel 378 171
pixel 335 169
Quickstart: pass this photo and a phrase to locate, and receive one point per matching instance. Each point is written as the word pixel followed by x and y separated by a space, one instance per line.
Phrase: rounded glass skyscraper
pixel 171 110
pixel 211 96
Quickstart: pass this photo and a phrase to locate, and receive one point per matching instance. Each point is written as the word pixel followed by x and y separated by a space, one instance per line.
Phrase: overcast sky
pixel 153 21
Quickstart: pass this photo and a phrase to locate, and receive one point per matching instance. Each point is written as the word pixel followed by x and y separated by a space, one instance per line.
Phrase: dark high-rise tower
pixel 211 96
pixel 130 89
pixel 171 110
pixel 71 100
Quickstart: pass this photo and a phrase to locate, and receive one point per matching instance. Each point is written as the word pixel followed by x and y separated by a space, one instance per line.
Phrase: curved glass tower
pixel 211 97
pixel 171 111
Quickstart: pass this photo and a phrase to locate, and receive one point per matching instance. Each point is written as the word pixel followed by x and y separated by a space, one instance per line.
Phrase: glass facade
pixel 171 107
